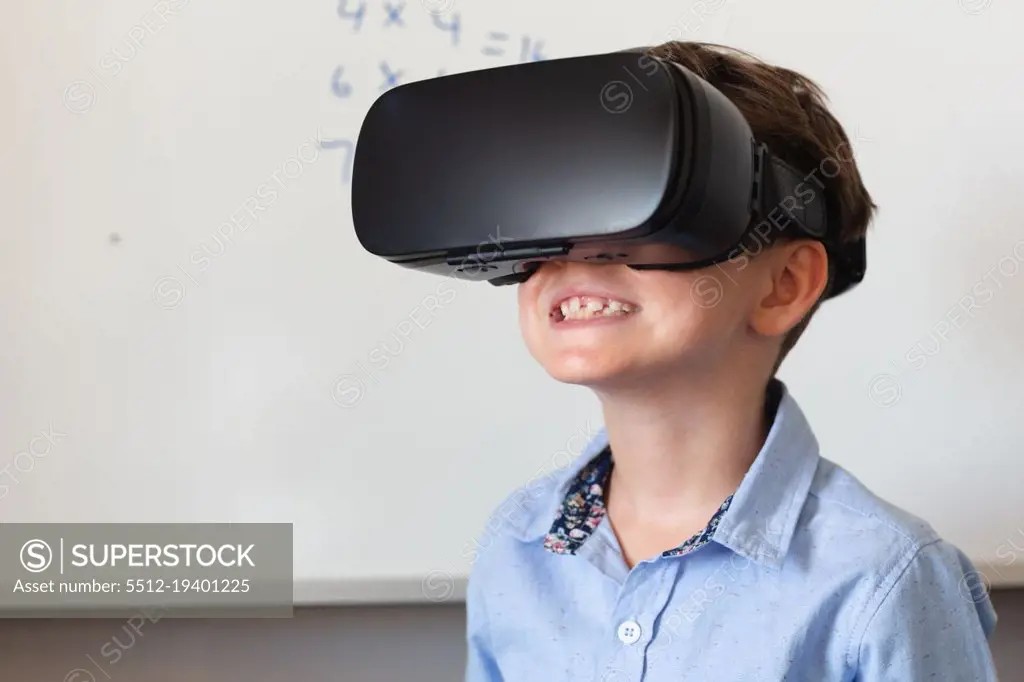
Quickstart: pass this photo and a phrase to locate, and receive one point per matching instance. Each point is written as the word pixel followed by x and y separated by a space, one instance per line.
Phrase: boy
pixel 701 535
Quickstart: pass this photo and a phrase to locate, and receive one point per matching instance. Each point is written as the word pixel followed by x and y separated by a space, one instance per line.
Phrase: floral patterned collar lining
pixel 583 509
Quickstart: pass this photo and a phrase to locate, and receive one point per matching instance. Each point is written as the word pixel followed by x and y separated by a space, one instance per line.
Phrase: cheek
pixel 527 294
pixel 687 314
pixel 706 291
pixel 675 327
pixel 529 317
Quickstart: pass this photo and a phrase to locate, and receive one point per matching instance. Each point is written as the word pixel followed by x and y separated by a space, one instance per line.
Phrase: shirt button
pixel 629 632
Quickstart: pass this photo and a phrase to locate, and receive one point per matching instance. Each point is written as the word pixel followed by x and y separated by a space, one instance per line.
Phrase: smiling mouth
pixel 582 308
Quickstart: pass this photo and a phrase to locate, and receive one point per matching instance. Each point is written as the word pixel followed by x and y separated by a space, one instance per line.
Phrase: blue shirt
pixel 802 575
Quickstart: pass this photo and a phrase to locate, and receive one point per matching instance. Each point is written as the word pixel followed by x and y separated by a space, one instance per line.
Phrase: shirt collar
pixel 763 512
pixel 766 507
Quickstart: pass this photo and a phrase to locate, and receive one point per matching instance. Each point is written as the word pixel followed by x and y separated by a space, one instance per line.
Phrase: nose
pixel 572 267
pixel 590 266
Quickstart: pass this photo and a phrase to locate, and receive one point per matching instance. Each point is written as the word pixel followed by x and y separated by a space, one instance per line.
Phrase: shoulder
pixel 841 498
pixel 855 532
pixel 898 561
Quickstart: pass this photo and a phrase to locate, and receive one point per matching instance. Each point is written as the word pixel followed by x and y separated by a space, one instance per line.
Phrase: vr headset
pixel 607 158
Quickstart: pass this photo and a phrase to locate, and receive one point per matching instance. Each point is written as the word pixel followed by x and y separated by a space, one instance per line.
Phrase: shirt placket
pixel 630 629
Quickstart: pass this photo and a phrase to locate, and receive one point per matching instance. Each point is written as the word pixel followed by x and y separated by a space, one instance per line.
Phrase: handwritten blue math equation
pixel 393 15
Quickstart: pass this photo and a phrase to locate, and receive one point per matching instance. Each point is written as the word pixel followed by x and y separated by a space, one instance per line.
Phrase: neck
pixel 681 447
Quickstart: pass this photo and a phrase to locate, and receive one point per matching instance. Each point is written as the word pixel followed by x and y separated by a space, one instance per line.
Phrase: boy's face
pixel 610 325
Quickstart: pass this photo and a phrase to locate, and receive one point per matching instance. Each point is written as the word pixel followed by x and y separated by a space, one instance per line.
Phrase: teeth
pixel 586 307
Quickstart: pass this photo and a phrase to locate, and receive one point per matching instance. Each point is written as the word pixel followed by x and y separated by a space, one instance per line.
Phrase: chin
pixel 584 370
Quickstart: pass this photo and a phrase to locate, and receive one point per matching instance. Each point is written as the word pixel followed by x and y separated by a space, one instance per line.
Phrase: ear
pixel 798 273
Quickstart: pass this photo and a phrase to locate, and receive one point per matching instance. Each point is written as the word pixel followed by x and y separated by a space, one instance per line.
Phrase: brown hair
pixel 787 111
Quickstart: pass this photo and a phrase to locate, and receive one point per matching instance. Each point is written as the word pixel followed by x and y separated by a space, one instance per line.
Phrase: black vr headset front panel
pixel 442 165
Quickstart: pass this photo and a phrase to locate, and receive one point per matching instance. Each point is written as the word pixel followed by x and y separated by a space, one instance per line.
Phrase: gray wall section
pixel 357 644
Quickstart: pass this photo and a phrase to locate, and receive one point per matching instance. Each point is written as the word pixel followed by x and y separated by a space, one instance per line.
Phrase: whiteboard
pixel 192 332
